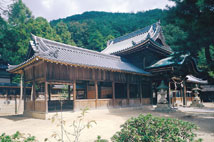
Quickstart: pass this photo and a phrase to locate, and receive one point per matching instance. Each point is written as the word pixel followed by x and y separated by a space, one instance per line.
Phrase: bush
pixel 17 137
pixel 154 129
pixel 99 139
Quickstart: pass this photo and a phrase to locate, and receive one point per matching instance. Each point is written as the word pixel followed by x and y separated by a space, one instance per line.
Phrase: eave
pixel 19 69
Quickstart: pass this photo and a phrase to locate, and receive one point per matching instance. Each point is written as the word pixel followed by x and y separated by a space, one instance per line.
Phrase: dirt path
pixel 108 122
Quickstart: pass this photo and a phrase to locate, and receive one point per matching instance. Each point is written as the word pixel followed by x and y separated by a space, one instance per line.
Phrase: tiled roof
pixel 127 41
pixel 68 54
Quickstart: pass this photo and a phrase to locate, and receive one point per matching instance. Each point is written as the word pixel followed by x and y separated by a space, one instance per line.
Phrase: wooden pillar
pixel 24 91
pixel 86 93
pixel 169 91
pixel 34 94
pixel 128 93
pixel 99 91
pixel 34 89
pixel 69 92
pixel 31 93
pixel 184 94
pixel 151 93
pixel 141 94
pixel 74 94
pixel 21 92
pixel 49 92
pixel 113 91
pixel 15 105
pixel 47 87
pixel 7 91
pixel 181 94
pixel 96 93
pixel 46 97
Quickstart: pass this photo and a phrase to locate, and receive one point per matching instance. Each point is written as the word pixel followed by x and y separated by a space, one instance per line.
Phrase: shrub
pixel 17 137
pixel 154 129
pixel 99 139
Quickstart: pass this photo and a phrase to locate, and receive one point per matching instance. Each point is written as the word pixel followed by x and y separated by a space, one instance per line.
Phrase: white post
pixel 21 93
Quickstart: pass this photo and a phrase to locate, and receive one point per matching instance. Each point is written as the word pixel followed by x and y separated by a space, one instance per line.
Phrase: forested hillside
pixel 93 29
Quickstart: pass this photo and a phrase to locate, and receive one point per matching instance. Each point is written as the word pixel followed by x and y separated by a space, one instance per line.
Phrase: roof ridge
pixel 70 47
pixel 139 30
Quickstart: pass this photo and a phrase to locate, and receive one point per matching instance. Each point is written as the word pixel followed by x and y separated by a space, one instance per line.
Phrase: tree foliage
pixel 195 17
pixel 188 27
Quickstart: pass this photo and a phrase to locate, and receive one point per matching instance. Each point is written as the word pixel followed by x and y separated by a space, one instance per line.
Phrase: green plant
pixel 155 129
pixel 17 137
pixel 100 140
pixel 78 126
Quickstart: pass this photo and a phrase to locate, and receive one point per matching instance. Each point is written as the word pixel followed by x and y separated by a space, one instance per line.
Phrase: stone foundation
pixel 33 114
pixel 163 108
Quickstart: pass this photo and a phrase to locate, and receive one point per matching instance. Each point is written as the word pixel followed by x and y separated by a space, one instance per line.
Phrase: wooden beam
pixel 113 91
pixel 96 92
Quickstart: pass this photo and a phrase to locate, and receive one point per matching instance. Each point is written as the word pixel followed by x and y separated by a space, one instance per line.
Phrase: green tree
pixel 42 28
pixel 62 30
pixel 175 37
pixel 15 33
pixel 96 41
pixel 196 18
pixel 7 42
pixel 19 13
pixel 79 32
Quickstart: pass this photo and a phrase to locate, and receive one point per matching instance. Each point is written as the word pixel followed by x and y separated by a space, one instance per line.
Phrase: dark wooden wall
pixel 144 57
pixel 59 72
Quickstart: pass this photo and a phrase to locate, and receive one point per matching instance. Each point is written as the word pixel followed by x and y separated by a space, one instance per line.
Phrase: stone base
pixel 196 105
pixel 33 114
pixel 164 108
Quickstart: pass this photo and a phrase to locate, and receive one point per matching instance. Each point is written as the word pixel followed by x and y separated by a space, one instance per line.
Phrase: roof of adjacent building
pixel 169 61
pixel 152 32
pixel 207 88
pixel 58 52
pixel 194 79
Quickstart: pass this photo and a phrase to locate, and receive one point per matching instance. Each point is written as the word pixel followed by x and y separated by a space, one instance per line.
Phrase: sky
pixel 54 9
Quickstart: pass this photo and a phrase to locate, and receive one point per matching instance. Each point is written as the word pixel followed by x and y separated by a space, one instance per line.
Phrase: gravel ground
pixel 108 122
